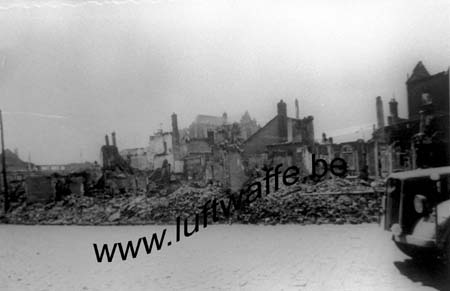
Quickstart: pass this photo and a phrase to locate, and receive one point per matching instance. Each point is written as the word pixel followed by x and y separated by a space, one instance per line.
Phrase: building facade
pixel 204 123
pixel 282 135
pixel 137 158
pixel 248 126
pixel 422 139
pixel 160 149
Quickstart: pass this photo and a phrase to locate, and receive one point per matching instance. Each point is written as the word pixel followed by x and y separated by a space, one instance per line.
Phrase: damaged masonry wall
pixel 281 134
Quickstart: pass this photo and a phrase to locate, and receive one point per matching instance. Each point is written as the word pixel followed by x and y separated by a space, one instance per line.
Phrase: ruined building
pixel 160 149
pixel 112 160
pixel 137 158
pixel 282 138
pixel 353 152
pixel 212 156
pixel 422 139
pixel 204 123
pixel 248 126
pixel 162 146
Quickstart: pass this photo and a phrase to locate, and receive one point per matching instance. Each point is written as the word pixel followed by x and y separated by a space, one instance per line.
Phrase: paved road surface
pixel 220 257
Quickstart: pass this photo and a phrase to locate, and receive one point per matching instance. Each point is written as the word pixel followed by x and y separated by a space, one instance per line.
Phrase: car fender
pixel 443 212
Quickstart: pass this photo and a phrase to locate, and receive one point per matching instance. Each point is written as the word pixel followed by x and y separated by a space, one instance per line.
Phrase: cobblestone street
pixel 220 257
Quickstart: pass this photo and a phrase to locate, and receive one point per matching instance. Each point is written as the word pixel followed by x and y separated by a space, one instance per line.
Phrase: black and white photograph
pixel 224 145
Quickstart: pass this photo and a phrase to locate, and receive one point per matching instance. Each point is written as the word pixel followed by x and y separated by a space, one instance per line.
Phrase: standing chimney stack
pixel 380 112
pixel 282 119
pixel 282 108
pixel 113 135
pixel 297 111
pixel 175 132
pixel 225 118
pixel 393 108
pixel 324 137
pixel 107 140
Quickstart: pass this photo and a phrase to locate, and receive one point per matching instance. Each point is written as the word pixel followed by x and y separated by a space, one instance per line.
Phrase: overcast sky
pixel 70 73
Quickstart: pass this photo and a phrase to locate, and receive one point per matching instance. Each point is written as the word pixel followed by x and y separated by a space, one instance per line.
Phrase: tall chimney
pixel 113 135
pixel 225 118
pixel 107 140
pixel 282 119
pixel 297 111
pixel 282 108
pixel 393 108
pixel 175 132
pixel 380 112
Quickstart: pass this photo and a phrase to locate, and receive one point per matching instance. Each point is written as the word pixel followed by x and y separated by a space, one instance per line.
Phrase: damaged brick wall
pixel 237 176
pixel 40 189
pixel 112 160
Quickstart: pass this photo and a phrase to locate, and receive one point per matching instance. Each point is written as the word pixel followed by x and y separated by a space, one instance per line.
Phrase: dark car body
pixel 417 210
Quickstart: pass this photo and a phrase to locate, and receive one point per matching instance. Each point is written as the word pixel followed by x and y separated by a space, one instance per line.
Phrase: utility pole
pixel 5 181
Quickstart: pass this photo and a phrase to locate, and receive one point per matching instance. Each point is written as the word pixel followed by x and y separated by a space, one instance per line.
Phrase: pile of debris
pixel 314 209
pixel 333 185
pixel 138 208
pixel 339 185
pixel 331 201
pixel 335 200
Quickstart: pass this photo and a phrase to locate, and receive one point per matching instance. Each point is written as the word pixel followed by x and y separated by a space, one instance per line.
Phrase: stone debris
pixel 315 209
pixel 331 201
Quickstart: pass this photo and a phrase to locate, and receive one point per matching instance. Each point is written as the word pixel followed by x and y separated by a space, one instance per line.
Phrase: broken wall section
pixel 112 160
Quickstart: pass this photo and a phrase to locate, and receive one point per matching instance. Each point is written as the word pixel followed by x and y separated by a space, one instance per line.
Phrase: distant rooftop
pixel 419 72
pixel 209 119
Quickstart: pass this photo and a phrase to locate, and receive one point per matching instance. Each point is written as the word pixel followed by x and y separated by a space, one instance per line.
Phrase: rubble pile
pixel 335 200
pixel 344 201
pixel 120 209
pixel 339 185
pixel 314 209
pixel 328 186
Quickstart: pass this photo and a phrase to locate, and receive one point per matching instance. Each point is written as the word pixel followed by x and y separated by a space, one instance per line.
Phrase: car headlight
pixel 443 210
pixel 396 229
pixel 419 201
